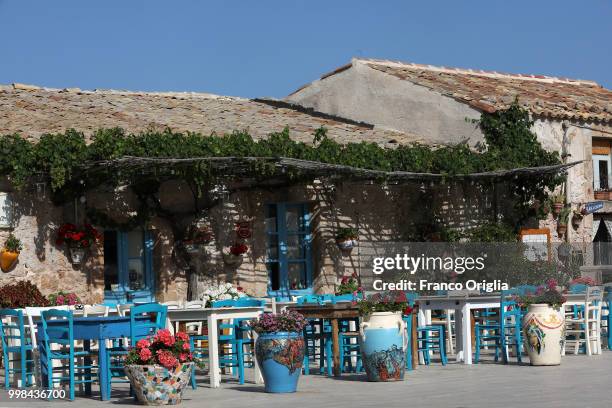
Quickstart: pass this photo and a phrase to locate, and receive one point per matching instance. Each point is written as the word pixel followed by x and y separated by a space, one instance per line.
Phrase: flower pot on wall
pixel 544 333
pixel 280 356
pixel 346 245
pixel 601 195
pixel 561 229
pixel 8 260
pixel 77 254
pixel 557 207
pixel 157 385
pixel 383 341
pixel 232 259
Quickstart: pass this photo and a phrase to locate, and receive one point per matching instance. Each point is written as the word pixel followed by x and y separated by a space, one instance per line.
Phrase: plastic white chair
pixel 95 310
pixel 174 305
pixel 587 324
pixel 194 328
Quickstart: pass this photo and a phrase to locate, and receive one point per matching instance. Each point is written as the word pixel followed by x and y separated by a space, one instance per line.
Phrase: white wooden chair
pixel 587 323
pixel 174 305
pixel 194 328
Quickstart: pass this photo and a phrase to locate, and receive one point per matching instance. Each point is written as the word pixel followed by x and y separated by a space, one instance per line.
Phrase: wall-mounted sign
pixel 593 206
pixel 6 210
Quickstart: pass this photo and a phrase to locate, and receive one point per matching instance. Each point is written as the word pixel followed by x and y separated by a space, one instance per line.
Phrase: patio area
pixel 580 381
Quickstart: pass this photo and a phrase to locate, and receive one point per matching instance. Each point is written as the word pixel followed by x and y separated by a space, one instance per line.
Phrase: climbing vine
pixel 62 157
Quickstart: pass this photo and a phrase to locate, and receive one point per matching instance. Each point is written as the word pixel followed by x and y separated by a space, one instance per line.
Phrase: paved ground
pixel 580 382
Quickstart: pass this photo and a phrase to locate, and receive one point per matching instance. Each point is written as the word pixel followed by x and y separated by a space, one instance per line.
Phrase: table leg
pixel 103 369
pixel 87 362
pixel 213 352
pixel 414 344
pixel 336 348
pixel 422 321
pixel 459 334
pixel 257 373
pixel 467 334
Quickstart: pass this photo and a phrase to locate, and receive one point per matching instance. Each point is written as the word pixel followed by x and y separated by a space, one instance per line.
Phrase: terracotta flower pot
pixel 601 195
pixel 561 229
pixel 557 207
pixel 8 259
pixel 156 385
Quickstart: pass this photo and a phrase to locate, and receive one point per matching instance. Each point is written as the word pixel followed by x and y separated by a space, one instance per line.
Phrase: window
pixel 6 210
pixel 289 259
pixel 602 169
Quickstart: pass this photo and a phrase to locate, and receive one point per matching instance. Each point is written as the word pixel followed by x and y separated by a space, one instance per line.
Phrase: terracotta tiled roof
pixel 560 98
pixel 33 111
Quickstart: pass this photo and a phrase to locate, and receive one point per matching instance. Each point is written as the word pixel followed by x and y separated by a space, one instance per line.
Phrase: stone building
pixel 572 117
pixel 376 101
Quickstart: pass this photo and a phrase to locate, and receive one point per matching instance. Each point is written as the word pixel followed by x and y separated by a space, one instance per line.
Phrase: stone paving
pixel 580 382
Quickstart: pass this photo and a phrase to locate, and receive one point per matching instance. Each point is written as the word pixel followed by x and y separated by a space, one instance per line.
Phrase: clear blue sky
pixel 270 48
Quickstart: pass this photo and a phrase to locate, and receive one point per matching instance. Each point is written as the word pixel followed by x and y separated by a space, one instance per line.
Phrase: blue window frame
pixel 128 267
pixel 289 258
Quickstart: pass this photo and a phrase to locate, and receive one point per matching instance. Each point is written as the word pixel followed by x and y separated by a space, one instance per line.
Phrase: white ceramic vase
pixel 544 334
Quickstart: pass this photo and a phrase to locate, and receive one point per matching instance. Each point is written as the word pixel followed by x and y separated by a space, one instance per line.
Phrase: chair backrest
pixel 578 288
pixel 62 333
pixel 95 310
pixel 12 329
pixel 318 299
pixel 241 302
pixel 34 314
pixel 173 305
pixel 124 310
pixel 141 328
pixel 526 289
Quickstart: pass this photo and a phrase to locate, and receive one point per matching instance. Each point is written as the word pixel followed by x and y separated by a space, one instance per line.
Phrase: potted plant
pixel 349 285
pixel 78 240
pixel 382 336
pixel 21 294
pixel 10 253
pixel 562 221
pixel 280 349
pixel 544 324
pixel 346 238
pixel 601 194
pixel 235 253
pixel 223 291
pixel 577 217
pixel 62 298
pixel 558 204
pixel 159 368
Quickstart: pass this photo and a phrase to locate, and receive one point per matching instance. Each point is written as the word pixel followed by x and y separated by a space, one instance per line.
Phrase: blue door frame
pixel 289 249
pixel 124 293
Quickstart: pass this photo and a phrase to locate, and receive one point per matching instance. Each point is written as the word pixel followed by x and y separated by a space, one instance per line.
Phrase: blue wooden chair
pixel 15 341
pixel 505 331
pixel 607 319
pixel 145 320
pixel 411 297
pixel 232 342
pixel 430 338
pixel 61 335
pixel 317 336
pixel 348 336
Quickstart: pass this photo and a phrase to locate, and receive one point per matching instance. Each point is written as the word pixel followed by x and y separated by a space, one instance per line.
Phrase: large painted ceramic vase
pixel 383 340
pixel 156 385
pixel 544 334
pixel 280 357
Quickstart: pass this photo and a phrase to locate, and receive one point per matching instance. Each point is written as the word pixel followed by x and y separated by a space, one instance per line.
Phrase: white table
pixel 463 305
pixel 212 316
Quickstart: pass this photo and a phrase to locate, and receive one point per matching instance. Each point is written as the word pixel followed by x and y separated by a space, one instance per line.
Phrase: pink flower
pixel 166 359
pixel 182 336
pixel 344 280
pixel 60 300
pixel 186 346
pixel 183 357
pixel 164 336
pixel 144 343
pixel 145 354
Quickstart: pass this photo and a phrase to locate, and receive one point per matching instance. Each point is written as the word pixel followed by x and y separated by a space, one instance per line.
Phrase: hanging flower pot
pixel 77 254
pixel 577 219
pixel 78 240
pixel 10 253
pixel 346 239
pixel 232 259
